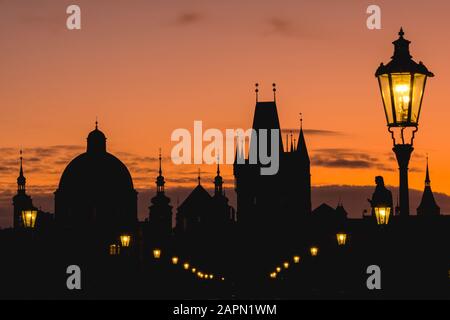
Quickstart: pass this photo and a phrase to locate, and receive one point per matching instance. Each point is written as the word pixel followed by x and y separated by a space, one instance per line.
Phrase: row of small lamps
pixel 313 251
pixel 125 241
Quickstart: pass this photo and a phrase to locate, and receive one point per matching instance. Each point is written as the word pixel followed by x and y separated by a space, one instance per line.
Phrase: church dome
pixel 96 187
pixel 101 172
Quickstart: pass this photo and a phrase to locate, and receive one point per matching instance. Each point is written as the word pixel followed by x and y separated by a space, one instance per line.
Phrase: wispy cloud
pixel 347 159
pixel 189 18
pixel 313 132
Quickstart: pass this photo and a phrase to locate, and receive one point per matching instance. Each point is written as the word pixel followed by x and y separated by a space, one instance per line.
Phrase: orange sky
pixel 146 68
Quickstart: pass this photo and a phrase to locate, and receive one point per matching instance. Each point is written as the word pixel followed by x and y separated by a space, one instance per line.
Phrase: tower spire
pixel 218 181
pixel 199 177
pixel 427 177
pixel 257 91
pixel 21 181
pixel 292 142
pixel 160 182
pixel 96 123
pixel 160 165
pixel 274 85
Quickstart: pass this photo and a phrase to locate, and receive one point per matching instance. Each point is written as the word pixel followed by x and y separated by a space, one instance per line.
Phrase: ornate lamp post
pixel 402 83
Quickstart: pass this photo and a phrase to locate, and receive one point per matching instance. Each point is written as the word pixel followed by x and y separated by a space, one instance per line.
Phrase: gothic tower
pixel 280 199
pixel 21 201
pixel 160 211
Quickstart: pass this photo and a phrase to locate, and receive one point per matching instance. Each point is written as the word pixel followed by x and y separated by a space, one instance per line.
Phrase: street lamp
pixel 156 253
pixel 125 240
pixel 296 259
pixel 402 84
pixel 286 265
pixel 186 266
pixel 114 250
pixel 175 260
pixel 314 251
pixel 29 218
pixel 278 269
pixel 341 239
pixel 382 214
pixel 273 275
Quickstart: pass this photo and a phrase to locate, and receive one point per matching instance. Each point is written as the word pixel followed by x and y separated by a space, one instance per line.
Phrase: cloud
pixel 282 26
pixel 347 159
pixel 313 132
pixel 189 18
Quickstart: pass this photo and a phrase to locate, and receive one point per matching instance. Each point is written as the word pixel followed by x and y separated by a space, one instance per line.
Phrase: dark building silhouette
pixel 160 210
pixel 201 212
pixel 428 205
pixel 284 197
pixel 21 201
pixel 96 189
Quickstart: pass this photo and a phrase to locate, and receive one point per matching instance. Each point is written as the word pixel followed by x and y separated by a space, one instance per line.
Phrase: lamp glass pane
pixel 419 87
pixel 386 94
pixel 401 89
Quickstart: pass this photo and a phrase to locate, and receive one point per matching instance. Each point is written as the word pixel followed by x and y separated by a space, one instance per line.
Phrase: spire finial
pixel 274 85
pixel 21 161
pixel 199 177
pixel 292 142
pixel 96 123
pixel 160 162
pixel 218 165
pixel 257 91
pixel 401 33
pixel 427 177
pixel 301 120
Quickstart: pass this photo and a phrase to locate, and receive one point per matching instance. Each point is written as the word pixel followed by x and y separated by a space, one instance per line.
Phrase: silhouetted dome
pixel 102 172
pixel 96 141
pixel 96 188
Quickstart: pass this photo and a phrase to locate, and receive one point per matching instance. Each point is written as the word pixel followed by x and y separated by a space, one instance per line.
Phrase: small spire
pixel 218 165
pixel 21 162
pixel 274 85
pixel 96 123
pixel 257 91
pixel 160 163
pixel 287 142
pixel 292 142
pixel 301 120
pixel 427 178
pixel 199 176
pixel 401 33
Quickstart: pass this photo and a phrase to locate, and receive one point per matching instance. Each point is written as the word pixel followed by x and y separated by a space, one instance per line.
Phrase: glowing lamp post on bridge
pixel 402 83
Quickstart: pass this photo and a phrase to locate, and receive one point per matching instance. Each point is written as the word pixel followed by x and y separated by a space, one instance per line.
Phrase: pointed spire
pixel 160 182
pixel 21 181
pixel 21 164
pixel 301 145
pixel 292 142
pixel 257 91
pixel 160 165
pixel 428 205
pixel 199 177
pixel 274 85
pixel 218 181
pixel 96 123
pixel 427 177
